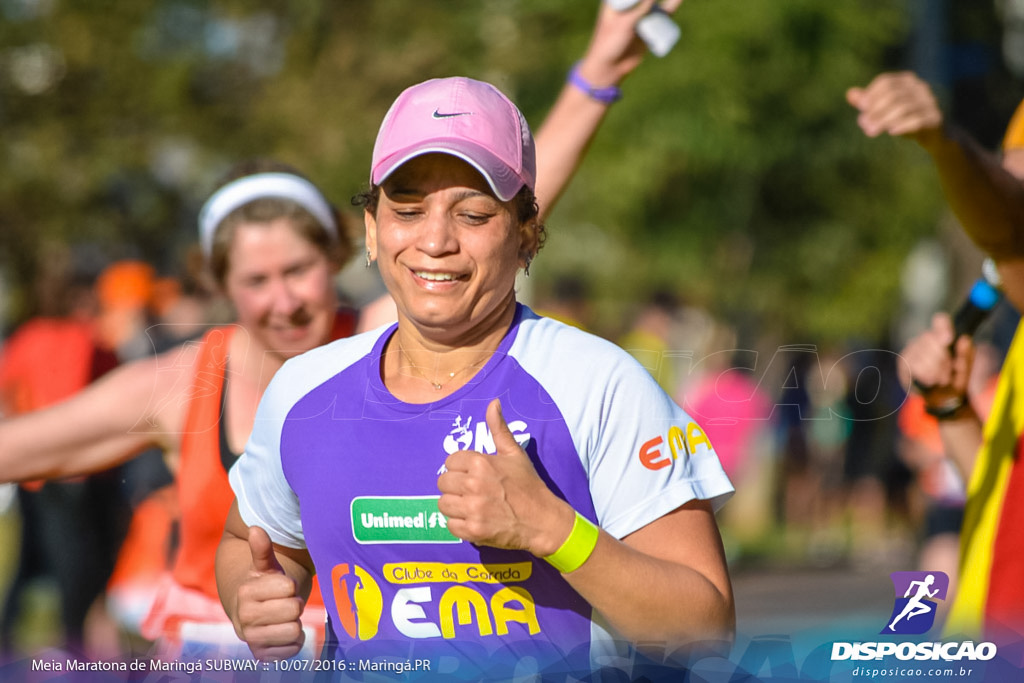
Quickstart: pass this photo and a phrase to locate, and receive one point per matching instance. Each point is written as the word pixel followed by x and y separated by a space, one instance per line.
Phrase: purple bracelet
pixel 603 95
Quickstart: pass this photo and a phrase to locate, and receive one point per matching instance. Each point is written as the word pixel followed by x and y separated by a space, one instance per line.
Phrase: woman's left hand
pixel 499 500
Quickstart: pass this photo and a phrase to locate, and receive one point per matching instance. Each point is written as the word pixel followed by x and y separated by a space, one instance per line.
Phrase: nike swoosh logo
pixel 439 115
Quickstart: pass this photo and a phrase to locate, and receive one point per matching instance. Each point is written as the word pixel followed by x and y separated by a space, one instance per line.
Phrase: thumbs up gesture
pixel 268 604
pixel 499 500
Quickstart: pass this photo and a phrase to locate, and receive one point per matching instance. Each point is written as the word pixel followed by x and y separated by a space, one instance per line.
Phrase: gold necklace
pixel 437 385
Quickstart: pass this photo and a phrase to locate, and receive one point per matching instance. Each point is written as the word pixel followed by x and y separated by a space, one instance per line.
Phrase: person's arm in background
pixel 1011 268
pixel 942 378
pixel 985 192
pixel 105 424
pixel 564 136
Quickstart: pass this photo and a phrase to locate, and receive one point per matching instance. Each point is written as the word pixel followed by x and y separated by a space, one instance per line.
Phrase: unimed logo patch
pixel 386 519
pixel 913 611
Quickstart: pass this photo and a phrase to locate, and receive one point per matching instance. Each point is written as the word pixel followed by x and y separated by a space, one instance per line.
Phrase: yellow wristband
pixel 577 548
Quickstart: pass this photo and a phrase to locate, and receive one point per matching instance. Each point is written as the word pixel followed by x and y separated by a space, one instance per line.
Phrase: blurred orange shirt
pixel 45 361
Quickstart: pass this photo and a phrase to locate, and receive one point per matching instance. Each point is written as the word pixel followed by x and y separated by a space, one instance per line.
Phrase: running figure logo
pixel 358 599
pixel 460 438
pixel 914 612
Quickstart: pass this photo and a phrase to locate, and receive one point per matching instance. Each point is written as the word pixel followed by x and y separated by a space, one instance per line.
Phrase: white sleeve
pixel 643 454
pixel 265 499
pixel 648 456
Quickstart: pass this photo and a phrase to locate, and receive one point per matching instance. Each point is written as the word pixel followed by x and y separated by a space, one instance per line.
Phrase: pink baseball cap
pixel 469 119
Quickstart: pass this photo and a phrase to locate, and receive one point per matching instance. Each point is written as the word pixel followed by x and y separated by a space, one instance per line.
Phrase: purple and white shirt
pixel 338 465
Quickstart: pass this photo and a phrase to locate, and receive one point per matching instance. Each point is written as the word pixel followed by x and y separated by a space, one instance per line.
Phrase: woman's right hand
pixel 268 605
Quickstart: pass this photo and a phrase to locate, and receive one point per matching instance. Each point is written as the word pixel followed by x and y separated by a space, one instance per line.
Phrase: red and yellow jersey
pixel 990 597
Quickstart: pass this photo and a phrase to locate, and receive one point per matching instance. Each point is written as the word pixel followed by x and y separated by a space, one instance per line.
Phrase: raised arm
pixel 637 583
pixel 564 136
pixel 1011 268
pixel 985 192
pixel 103 425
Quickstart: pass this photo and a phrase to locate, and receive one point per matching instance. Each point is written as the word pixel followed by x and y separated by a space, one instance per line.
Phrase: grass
pixel 38 623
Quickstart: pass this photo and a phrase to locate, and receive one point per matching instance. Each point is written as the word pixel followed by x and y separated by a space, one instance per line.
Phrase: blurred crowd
pixel 80 560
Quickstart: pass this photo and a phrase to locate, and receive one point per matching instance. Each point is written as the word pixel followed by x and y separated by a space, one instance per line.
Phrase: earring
pixel 368 261
pixel 526 270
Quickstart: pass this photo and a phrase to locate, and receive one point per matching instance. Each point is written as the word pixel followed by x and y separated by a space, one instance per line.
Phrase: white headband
pixel 258 186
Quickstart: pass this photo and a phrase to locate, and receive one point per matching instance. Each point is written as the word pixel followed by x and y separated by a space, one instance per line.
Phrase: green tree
pixel 732 170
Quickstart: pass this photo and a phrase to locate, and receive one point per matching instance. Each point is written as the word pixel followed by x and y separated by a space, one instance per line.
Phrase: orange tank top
pixel 204 492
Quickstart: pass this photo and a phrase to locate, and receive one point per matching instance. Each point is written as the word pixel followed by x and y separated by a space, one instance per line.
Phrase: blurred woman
pixel 274 245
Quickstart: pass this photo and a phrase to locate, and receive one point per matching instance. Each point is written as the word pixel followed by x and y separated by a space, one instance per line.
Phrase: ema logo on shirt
pixel 653 457
pixel 436 600
pixel 465 437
